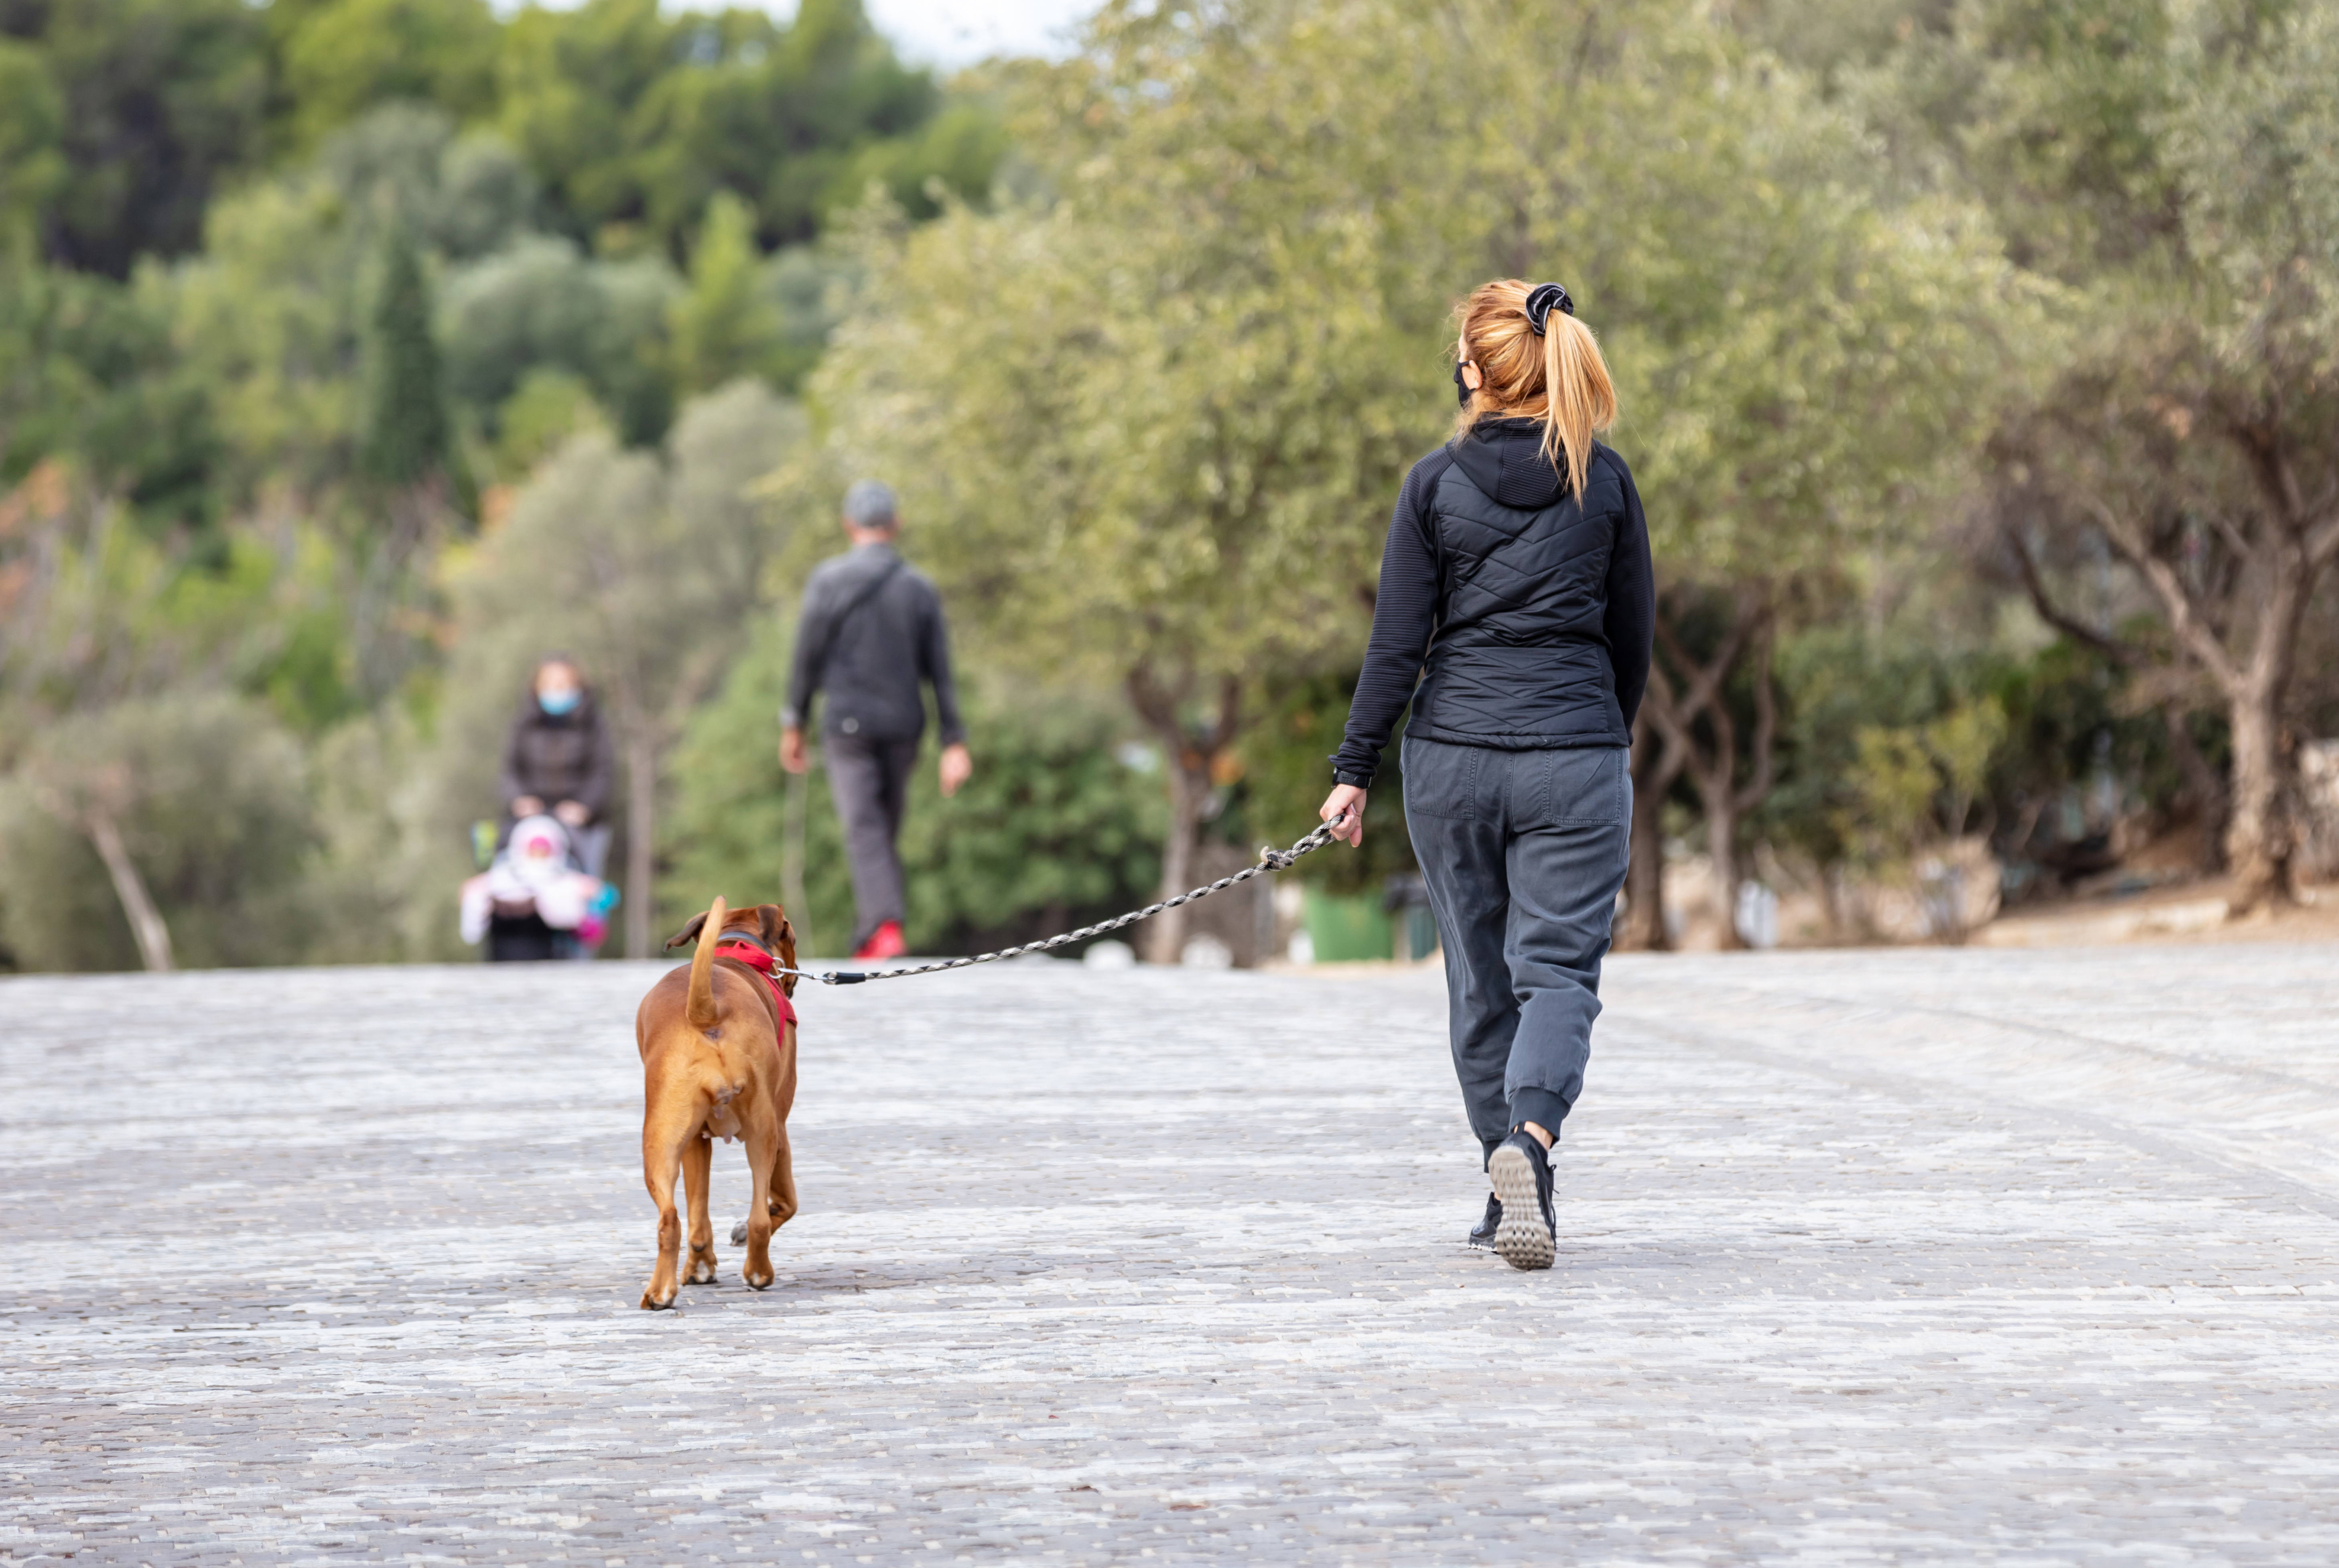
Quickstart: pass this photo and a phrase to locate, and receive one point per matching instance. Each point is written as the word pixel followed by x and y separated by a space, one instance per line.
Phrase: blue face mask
pixel 560 702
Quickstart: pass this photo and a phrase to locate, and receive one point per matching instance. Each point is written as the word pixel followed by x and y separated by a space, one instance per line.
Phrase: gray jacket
pixel 868 644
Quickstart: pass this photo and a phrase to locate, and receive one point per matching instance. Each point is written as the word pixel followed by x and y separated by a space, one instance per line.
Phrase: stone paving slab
pixel 2012 1257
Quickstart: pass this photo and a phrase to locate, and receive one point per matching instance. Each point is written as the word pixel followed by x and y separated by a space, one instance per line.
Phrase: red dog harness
pixel 757 959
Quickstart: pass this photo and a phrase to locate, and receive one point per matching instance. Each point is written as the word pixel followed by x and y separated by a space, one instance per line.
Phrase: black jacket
pixel 870 630
pixel 1533 611
pixel 568 757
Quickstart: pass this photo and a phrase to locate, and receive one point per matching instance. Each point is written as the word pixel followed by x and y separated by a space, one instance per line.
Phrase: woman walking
pixel 1518 573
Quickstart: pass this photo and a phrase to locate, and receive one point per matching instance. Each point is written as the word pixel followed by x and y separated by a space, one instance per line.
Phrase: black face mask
pixel 1461 387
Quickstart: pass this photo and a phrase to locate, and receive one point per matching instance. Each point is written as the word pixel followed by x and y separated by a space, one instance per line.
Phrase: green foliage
pixel 404 438
pixel 1913 786
pixel 724 328
pixel 87 369
pixel 32 165
pixel 1286 760
pixel 212 801
pixel 1052 832
pixel 272 319
pixel 1157 415
pixel 635 119
pixel 163 100
pixel 344 57
pixel 94 612
pixel 805 285
pixel 548 408
pixel 540 305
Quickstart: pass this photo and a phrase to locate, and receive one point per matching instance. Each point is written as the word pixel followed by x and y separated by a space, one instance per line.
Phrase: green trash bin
pixel 1347 929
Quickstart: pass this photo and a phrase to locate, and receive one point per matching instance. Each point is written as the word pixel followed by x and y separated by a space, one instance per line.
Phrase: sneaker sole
pixel 1520 1240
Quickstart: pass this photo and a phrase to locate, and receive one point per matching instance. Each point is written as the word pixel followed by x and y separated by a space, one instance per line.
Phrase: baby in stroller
pixel 535 901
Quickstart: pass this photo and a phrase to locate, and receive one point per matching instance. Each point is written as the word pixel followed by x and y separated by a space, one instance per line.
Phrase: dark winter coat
pixel 1532 610
pixel 567 757
pixel 871 631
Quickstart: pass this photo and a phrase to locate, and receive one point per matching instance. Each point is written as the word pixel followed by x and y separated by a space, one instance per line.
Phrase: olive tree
pixel 2167 166
pixel 1154 418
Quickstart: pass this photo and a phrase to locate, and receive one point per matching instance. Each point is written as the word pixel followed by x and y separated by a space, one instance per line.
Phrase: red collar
pixel 757 959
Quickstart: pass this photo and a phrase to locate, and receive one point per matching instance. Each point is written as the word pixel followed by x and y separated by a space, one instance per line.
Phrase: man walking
pixel 872 630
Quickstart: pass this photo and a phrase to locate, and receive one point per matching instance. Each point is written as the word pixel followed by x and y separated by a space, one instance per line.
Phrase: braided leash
pixel 1269 859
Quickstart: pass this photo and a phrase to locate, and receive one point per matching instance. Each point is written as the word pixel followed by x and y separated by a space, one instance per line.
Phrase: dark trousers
pixel 1523 853
pixel 869 780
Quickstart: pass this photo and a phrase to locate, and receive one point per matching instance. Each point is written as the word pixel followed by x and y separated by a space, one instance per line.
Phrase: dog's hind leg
pixel 782 1189
pixel 661 1163
pixel 698 1167
pixel 762 1152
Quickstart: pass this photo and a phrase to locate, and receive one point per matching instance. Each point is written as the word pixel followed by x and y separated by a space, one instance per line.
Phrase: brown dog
pixel 718 1043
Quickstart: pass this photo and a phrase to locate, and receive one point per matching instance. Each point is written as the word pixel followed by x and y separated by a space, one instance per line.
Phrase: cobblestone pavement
pixel 2015 1258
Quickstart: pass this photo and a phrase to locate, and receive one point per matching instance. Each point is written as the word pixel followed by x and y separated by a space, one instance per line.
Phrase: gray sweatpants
pixel 869 780
pixel 1523 853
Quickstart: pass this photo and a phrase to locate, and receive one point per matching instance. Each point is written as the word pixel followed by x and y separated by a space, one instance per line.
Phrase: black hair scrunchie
pixel 1540 299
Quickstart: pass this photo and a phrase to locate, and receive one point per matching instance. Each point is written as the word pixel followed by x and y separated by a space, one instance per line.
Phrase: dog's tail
pixel 700 1009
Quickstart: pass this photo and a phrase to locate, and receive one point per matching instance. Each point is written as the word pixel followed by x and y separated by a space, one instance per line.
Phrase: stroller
pixel 535 901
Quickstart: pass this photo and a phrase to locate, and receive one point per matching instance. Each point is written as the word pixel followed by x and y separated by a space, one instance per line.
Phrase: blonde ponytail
pixel 1556 375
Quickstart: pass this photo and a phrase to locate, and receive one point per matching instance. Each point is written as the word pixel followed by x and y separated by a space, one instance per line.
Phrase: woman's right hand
pixel 526 805
pixel 1346 800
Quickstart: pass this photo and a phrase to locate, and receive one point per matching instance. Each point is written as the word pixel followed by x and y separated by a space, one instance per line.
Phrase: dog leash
pixel 1269 859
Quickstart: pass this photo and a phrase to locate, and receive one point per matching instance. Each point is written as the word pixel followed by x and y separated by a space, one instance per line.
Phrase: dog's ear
pixel 689 933
pixel 781 938
pixel 770 921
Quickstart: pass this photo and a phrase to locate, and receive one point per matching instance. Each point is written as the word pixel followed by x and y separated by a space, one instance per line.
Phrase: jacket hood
pixel 1505 458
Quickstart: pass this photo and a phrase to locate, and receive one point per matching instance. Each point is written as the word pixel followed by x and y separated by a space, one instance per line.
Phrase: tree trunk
pixel 1192 759
pixel 1656 765
pixel 1190 793
pixel 1713 763
pixel 146 920
pixel 2258 838
pixel 641 840
pixel 2282 555
pixel 1722 849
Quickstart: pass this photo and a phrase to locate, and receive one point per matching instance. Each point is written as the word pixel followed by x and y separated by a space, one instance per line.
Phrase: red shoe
pixel 884 942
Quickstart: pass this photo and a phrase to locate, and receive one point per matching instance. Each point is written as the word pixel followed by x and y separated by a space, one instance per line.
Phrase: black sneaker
pixel 1484 1235
pixel 1521 1169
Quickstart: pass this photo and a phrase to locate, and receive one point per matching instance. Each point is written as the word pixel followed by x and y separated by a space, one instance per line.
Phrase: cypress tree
pixel 404 436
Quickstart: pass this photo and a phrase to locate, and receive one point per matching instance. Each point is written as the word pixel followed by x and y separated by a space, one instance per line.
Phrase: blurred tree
pixel 462 194
pixel 636 118
pixel 271 319
pixel 724 327
pixel 567 83
pixel 346 56
pixel 403 449
pixel 403 441
pixel 540 304
pixel 32 166
pixel 88 373
pixel 1282 785
pixel 805 286
pixel 162 99
pixel 2169 164
pixel 1161 417
pixel 537 419
pixel 172 829
pixel 95 611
